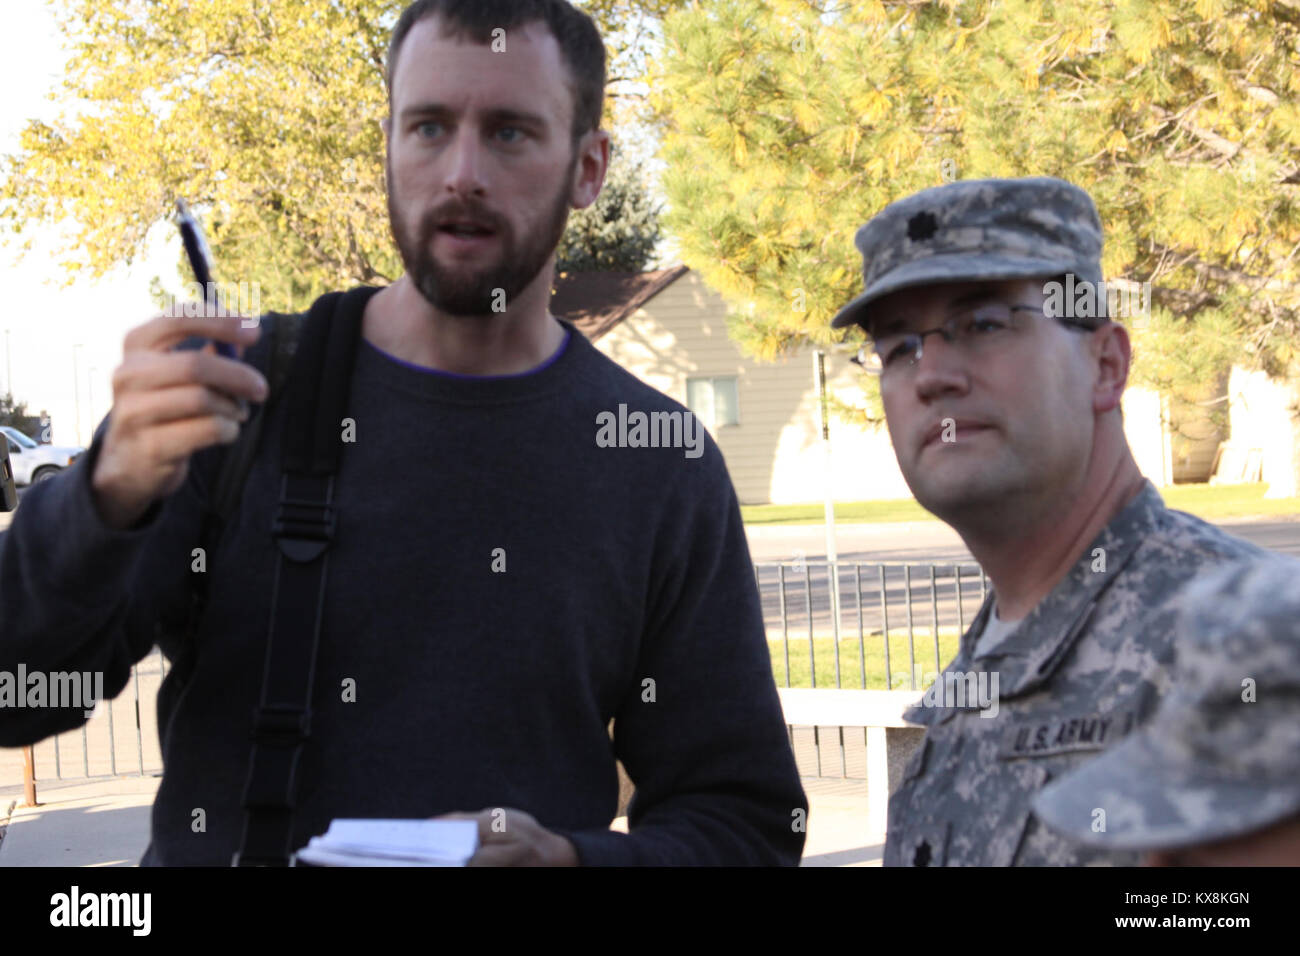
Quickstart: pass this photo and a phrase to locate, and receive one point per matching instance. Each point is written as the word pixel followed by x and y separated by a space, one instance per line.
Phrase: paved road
pixel 106 822
pixel 927 541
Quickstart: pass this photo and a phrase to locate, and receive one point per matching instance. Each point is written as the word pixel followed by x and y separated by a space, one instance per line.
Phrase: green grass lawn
pixel 873 650
pixel 1210 502
pixel 1214 502
pixel 866 512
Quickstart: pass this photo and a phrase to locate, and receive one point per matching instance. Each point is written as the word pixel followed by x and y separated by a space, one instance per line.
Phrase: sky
pixel 45 321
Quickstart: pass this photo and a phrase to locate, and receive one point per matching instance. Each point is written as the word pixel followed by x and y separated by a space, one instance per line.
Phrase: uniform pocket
pixel 1004 843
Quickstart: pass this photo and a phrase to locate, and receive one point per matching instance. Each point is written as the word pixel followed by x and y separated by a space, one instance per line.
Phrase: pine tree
pixel 617 233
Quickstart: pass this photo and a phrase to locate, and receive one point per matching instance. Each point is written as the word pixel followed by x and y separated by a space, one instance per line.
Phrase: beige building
pixel 669 330
pixel 1265 433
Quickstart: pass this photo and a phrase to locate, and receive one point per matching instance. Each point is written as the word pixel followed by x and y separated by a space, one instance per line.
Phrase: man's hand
pixel 166 406
pixel 509 837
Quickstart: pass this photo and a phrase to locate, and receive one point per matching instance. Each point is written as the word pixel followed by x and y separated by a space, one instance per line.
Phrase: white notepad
pixel 393 843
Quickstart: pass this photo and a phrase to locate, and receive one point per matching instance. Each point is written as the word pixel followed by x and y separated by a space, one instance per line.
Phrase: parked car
pixel 32 462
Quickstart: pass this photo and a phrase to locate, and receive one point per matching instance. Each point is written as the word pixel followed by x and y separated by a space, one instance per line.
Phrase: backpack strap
pixel 275 362
pixel 284 334
pixel 303 529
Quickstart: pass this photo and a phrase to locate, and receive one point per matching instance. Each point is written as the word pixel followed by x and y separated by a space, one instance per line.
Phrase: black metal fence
pixel 120 740
pixel 930 602
pixel 888 616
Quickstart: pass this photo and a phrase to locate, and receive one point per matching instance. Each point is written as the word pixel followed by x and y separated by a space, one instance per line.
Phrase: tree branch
pixel 1224 147
pixel 1222 274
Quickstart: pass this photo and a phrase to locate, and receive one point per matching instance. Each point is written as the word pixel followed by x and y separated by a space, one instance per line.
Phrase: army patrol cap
pixel 1221 756
pixel 976 229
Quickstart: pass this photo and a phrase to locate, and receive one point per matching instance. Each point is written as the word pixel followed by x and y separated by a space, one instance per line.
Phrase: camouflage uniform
pixel 1091 660
pixel 1083 669
pixel 1221 757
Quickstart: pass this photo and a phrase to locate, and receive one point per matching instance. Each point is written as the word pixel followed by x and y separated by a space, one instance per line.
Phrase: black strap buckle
pixel 304 528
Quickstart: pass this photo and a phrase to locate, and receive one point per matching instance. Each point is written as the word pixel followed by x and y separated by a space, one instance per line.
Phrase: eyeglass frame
pixel 945 332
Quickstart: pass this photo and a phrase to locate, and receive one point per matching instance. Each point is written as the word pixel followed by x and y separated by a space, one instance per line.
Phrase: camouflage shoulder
pixel 1198 537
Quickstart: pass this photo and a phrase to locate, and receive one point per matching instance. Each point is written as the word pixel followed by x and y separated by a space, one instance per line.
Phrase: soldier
pixel 1214 778
pixel 1002 397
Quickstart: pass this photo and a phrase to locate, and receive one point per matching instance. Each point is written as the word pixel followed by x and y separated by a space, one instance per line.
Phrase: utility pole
pixel 90 399
pixel 76 384
pixel 823 405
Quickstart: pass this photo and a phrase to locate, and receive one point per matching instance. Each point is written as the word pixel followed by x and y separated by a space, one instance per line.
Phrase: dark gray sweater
pixel 474 687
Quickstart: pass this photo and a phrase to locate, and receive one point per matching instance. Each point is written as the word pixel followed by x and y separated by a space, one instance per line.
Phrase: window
pixel 713 400
pixel 15 436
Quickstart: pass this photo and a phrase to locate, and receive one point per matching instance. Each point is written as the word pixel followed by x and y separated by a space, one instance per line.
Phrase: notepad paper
pixel 393 843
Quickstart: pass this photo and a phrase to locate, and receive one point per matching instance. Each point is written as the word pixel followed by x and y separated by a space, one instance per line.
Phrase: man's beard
pixel 462 289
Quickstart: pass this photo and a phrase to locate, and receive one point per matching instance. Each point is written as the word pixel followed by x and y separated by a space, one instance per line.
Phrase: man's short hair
pixel 581 47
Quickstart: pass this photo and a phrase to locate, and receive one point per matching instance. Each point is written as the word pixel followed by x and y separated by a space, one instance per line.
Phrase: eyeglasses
pixel 976 331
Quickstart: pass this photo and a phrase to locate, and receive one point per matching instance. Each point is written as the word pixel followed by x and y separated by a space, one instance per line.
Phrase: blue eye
pixel 427 123
pixel 511 129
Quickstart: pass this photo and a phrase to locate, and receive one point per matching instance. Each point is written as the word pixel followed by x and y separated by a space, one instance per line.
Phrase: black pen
pixel 196 250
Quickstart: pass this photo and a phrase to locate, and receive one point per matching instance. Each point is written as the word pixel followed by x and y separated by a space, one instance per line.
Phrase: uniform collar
pixel 1032 653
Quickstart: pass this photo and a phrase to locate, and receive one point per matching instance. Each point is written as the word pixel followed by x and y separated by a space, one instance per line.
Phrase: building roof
pixel 595 302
